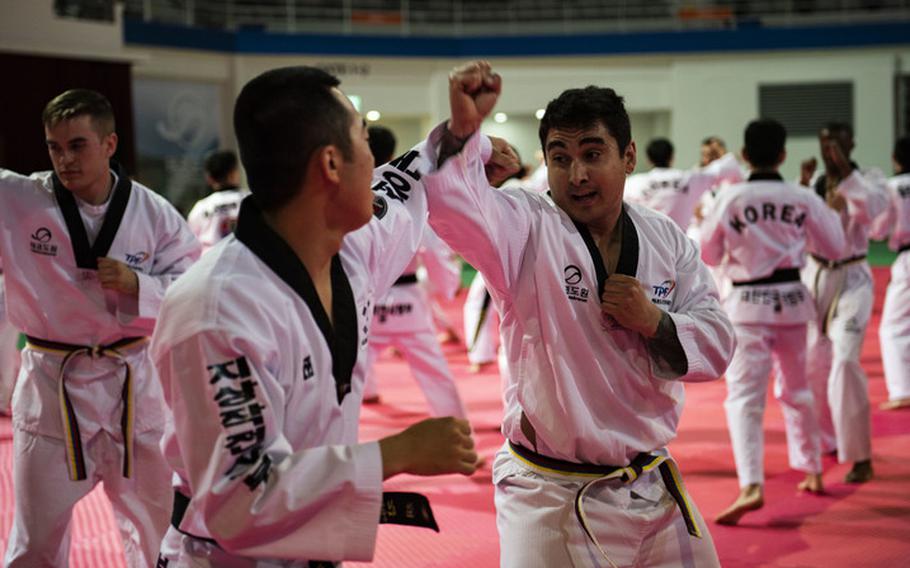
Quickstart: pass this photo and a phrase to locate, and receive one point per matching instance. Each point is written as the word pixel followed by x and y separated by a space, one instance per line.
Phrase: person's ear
pixel 110 144
pixel 330 163
pixel 630 157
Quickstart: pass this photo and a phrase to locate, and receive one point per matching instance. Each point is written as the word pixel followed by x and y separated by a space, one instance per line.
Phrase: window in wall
pixel 99 10
pixel 804 108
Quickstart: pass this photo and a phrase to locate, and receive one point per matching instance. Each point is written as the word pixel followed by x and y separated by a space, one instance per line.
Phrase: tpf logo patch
pixel 663 291
pixel 136 259
pixel 41 242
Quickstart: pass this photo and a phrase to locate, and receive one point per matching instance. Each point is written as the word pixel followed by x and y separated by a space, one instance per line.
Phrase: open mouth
pixel 584 198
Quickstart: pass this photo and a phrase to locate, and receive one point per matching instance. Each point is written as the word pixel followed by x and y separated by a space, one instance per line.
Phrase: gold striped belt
pixel 834 264
pixel 74 455
pixel 642 463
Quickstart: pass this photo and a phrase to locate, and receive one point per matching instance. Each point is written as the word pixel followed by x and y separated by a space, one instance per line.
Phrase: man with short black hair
pixel 88 255
pixel 842 288
pixel 262 345
pixel 606 311
pixel 894 330
pixel 215 216
pixel 758 234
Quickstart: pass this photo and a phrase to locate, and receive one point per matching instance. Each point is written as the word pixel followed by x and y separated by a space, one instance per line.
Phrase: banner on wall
pixel 177 126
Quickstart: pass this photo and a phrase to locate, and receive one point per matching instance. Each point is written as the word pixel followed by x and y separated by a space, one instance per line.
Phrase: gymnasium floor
pixel 866 525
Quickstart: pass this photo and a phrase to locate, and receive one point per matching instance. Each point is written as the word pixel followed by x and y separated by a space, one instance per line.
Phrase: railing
pixel 456 18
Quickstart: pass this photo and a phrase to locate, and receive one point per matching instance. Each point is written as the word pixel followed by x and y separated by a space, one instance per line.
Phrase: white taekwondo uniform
pixel 266 392
pixel 403 319
pixel 9 352
pixel 594 393
pixel 843 293
pixel 894 330
pixel 81 416
pixel 675 193
pixel 214 217
pixel 758 233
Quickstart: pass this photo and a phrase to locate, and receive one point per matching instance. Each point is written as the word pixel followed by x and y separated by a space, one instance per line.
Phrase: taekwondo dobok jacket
pixel 590 388
pixel 762 226
pixel 266 392
pixel 53 293
pixel 675 193
pixel 215 216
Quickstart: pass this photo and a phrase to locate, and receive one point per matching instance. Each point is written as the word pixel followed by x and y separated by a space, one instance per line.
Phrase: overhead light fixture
pixel 539 113
pixel 373 115
pixel 500 117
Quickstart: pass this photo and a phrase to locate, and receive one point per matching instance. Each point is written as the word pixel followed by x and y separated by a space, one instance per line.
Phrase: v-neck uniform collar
pixel 86 254
pixel 628 253
pixel 253 231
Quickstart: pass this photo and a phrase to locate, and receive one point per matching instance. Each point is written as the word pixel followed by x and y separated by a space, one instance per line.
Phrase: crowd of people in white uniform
pixel 211 371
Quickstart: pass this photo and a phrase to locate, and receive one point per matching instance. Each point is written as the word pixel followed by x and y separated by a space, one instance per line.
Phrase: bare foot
pixel 751 498
pixel 895 404
pixel 478 367
pixel 448 337
pixel 861 472
pixel 812 484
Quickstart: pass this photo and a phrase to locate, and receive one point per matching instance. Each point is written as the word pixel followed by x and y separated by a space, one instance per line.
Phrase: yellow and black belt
pixel 833 264
pixel 643 463
pixel 74 454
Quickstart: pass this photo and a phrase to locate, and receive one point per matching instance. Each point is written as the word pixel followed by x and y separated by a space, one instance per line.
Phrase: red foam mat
pixel 866 525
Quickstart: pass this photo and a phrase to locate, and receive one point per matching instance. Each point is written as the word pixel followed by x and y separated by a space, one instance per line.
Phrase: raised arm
pixel 489 228
pixel 391 239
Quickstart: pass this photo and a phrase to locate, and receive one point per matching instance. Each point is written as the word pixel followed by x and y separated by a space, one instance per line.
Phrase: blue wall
pixel 745 38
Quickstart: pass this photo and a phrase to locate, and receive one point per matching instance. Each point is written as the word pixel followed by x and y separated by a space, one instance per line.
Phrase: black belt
pixel 70 347
pixel 73 443
pixel 902 248
pixel 406 279
pixel 832 264
pixel 627 474
pixel 398 508
pixel 779 276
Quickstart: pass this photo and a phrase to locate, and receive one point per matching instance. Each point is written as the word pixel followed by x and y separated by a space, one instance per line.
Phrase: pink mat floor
pixel 866 525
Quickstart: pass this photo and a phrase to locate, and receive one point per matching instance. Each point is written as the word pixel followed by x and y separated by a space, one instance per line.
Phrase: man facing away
pixel 215 216
pixel 262 345
pixel 606 310
pixel 758 233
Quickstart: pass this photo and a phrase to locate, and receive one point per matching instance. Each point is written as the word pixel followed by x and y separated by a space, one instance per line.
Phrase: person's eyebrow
pixel 555 144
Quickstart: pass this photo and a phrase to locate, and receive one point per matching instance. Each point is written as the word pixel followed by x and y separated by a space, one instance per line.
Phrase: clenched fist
pixel 115 275
pixel 473 91
pixel 435 446
pixel 626 300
